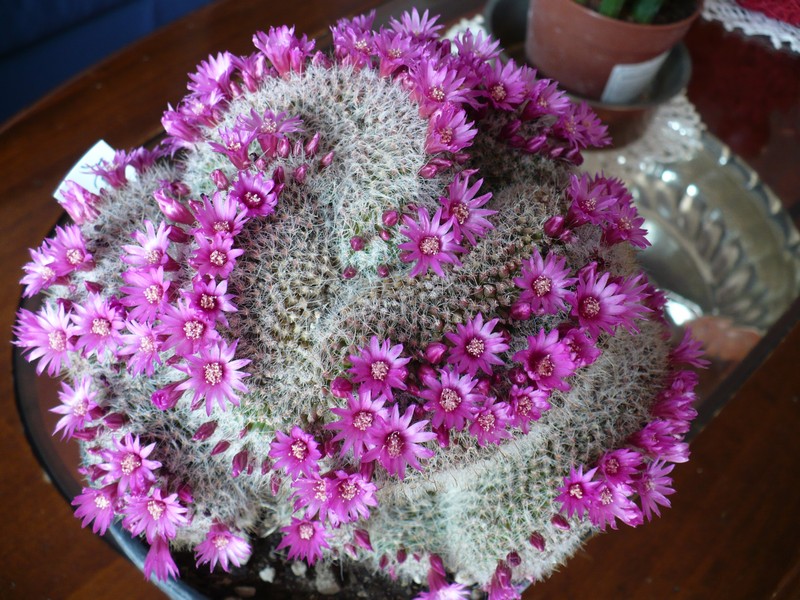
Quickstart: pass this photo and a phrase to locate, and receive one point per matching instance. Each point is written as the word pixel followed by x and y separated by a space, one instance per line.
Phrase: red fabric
pixel 787 11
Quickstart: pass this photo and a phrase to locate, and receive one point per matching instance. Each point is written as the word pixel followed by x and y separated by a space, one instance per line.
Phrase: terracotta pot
pixel 595 56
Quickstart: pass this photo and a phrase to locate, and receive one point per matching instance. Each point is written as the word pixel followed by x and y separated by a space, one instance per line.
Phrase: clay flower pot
pixel 595 56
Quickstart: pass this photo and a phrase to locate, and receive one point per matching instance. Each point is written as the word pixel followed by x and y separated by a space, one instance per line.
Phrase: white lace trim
pixel 673 135
pixel 732 16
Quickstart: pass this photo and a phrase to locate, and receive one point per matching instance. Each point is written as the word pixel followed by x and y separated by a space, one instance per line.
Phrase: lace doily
pixel 673 135
pixel 732 16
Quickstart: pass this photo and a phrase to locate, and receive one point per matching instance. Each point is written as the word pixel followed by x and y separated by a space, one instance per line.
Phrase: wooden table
pixel 733 530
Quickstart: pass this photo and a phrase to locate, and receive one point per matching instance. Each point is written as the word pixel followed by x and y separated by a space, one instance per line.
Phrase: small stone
pixel 326 582
pixel 299 568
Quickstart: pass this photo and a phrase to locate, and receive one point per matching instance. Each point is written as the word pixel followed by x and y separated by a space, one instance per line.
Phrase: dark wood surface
pixel 733 531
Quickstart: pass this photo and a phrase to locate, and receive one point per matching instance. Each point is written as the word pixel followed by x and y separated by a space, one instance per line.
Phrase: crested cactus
pixel 363 300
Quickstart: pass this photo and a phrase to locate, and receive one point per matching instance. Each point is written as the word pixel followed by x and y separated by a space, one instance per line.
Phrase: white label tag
pixel 626 82
pixel 78 173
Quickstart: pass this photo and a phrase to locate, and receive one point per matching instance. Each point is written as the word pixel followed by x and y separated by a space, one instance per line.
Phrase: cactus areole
pixel 360 304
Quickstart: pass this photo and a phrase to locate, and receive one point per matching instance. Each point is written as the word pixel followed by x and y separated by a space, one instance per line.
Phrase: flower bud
pixel 383 271
pixel 537 541
pixel 284 147
pixel 172 209
pixel 327 159
pixel 554 226
pixel 513 559
pixel 299 174
pixel 205 431
pixel 239 463
pixel 349 272
pixel 221 446
pixel 390 218
pixel 361 538
pixel 428 171
pixel 312 145
pixel 521 311
pixel 560 522
pixel 435 352
pixel 341 387
pixel 385 235
pixel 357 243
pixel 220 179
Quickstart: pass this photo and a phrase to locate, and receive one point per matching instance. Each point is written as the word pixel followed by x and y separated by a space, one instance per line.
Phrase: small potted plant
pixel 605 50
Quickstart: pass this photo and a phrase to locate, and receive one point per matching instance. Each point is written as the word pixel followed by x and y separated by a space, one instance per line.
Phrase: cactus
pixel 369 306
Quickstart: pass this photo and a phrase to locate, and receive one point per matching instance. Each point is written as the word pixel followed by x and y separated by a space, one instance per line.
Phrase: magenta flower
pixel 449 130
pixel 597 303
pixel 297 453
pixel 544 283
pixel 451 398
pixel 582 349
pixel 221 214
pixel 97 324
pixel 214 375
pixel 285 51
pixel 270 128
pixel 313 493
pixel 352 495
pixel 547 361
pixel 211 300
pixel 618 467
pixel 305 539
pixel 421 27
pixel 590 200
pixel 68 249
pixel 581 127
pixel 186 329
pixel 662 440
pixel 46 335
pixel 213 75
pixel 129 466
pixel 81 205
pixel 505 86
pixel 624 224
pixel 653 486
pixel 501 587
pixel 352 42
pixel 395 51
pixel 431 243
pixel 96 506
pixel 215 257
pixel 151 248
pixel 159 562
pixel 546 99
pixel 525 405
pixel 235 146
pixel 469 219
pixel 357 421
pixel 222 546
pixel 379 368
pixel 490 422
pixel 155 515
pixel 252 68
pixel 689 352
pixel 78 407
pixel 146 293
pixel 579 492
pixel 476 346
pixel 112 171
pixel 255 193
pixel 477 46
pixel 612 503
pixel 142 345
pixel 436 85
pixel 40 272
pixel 396 442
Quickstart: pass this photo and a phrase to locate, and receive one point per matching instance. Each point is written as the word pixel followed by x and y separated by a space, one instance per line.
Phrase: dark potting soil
pixel 336 582
pixel 671 11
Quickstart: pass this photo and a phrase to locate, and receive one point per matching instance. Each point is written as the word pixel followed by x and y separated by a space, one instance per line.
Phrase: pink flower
pixel 582 349
pixel 490 422
pixel 624 224
pixel 81 204
pixel 78 407
pixel 222 214
pixel 222 546
pixel 477 46
pixel 40 272
pixel 96 506
pixel 431 243
pixel 155 515
pixel 97 324
pixel 460 204
pixel 211 300
pixel 597 303
pixel 112 171
pixel 68 249
pixel 297 453
pixel 476 346
pixel 285 51
pixel 395 51
pixel 436 85
pixel 526 404
pixel 235 145
pixel 590 200
pixel 313 493
pixel 379 368
pixel 619 466
pixel 421 28
pixel 215 375
pixel 689 352
pixel 159 562
pixel 396 442
pixel 215 257
pixel 451 398
pixel 500 587
pixel 612 503
pixel 46 335
pixel 254 192
pixel 151 247
pixel 547 361
pixel 505 85
pixel 129 466
pixel 351 497
pixel 142 345
pixel 544 282
pixel 213 75
pixel 357 421
pixel 653 486
pixel 270 128
pixel 578 492
pixel 186 329
pixel 449 130
pixel 305 539
pixel 662 440
pixel 146 293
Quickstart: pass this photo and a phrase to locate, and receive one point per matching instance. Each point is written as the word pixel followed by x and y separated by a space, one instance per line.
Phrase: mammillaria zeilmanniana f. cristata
pixel 363 300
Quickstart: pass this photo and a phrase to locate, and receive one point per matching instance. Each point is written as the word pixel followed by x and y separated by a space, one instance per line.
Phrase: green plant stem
pixel 644 11
pixel 611 8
